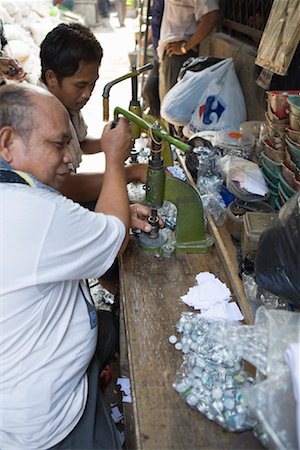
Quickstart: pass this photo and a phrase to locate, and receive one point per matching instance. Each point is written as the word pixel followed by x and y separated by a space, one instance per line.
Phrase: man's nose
pixel 68 154
pixel 87 92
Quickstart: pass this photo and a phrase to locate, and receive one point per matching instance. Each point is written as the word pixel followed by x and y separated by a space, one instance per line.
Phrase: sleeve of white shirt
pixel 203 7
pixel 77 243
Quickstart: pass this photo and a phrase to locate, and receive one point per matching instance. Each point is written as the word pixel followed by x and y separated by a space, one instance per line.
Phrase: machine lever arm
pixel 159 132
pixel 108 86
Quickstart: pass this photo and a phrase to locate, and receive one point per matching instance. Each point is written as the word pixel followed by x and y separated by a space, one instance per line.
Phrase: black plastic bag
pixel 197 64
pixel 277 262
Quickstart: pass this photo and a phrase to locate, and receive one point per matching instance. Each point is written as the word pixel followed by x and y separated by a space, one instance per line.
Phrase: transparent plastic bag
pixel 212 375
pixel 213 372
pixel 272 400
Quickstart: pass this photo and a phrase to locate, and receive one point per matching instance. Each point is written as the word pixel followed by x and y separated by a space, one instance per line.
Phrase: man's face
pixel 46 154
pixel 75 91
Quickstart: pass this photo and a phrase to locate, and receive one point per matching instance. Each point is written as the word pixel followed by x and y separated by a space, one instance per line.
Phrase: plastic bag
pixel 277 262
pixel 180 102
pixel 221 106
pixel 212 375
pixel 213 379
pixel 271 399
pixel 197 64
pixel 244 179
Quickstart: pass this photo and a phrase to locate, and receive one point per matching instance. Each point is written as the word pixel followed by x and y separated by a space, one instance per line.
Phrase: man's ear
pixel 7 142
pixel 51 79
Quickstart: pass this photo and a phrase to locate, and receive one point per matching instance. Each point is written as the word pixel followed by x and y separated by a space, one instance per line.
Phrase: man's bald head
pixel 18 105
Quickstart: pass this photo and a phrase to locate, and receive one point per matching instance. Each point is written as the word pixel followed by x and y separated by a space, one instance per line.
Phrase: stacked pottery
pixel 290 179
pixel 274 152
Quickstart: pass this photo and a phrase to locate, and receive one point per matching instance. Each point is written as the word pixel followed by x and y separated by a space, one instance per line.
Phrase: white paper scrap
pixel 122 436
pixel 228 311
pixel 212 297
pixel 124 384
pixel 116 414
pixel 208 291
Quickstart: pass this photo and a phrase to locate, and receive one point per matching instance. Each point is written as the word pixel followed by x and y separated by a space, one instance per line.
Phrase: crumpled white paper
pixel 212 297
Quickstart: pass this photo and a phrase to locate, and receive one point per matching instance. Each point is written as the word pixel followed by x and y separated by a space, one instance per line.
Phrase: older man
pixel 50 357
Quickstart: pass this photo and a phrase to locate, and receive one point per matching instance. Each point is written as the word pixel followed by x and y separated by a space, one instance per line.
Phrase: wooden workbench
pixel 158 418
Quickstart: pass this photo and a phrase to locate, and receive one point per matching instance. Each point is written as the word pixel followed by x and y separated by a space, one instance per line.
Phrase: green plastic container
pixel 270 183
pixel 294 151
pixel 282 193
pixel 288 190
pixel 273 166
pixel 277 203
pixel 271 176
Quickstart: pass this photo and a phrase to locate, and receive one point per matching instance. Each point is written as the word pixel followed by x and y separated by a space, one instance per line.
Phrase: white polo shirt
pixel 47 336
pixel 180 20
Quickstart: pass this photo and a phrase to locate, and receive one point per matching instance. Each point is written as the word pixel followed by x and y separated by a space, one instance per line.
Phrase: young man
pixel 50 357
pixel 70 60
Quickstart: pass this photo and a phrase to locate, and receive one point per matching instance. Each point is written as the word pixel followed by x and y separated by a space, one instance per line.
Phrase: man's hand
pixel 10 69
pixel 139 216
pixel 174 48
pixel 116 142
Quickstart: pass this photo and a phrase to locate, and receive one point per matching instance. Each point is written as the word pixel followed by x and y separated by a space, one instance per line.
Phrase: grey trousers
pixel 96 429
pixel 169 69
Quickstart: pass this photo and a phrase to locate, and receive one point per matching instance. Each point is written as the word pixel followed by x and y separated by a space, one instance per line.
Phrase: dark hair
pixel 17 109
pixel 65 47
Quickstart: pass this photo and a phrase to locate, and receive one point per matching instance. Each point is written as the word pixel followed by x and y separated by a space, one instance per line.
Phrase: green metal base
pixel 152 245
pixel 190 235
pixel 196 247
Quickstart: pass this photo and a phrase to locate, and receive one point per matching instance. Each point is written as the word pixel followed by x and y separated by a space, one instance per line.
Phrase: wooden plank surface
pixel 150 298
pixel 226 251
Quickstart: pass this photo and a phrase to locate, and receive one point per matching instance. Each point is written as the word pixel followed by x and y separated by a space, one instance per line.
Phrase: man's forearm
pixel 91 145
pixel 113 198
pixel 205 26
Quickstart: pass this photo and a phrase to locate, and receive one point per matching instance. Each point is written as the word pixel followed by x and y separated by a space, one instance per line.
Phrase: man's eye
pixel 83 86
pixel 59 145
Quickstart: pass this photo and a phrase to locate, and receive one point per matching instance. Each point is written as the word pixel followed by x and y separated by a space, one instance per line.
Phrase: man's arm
pixel 11 69
pixel 113 198
pixel 90 145
pixel 86 187
pixel 205 26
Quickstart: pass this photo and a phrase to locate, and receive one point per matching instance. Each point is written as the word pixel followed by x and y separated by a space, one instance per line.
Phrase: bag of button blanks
pixel 180 102
pixel 221 105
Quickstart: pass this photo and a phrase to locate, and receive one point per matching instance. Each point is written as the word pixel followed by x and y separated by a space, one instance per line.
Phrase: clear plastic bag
pixel 212 375
pixel 272 400
pixel 213 379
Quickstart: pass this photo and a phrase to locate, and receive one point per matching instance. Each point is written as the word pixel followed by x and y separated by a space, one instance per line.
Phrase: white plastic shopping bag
pixel 221 106
pixel 180 102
